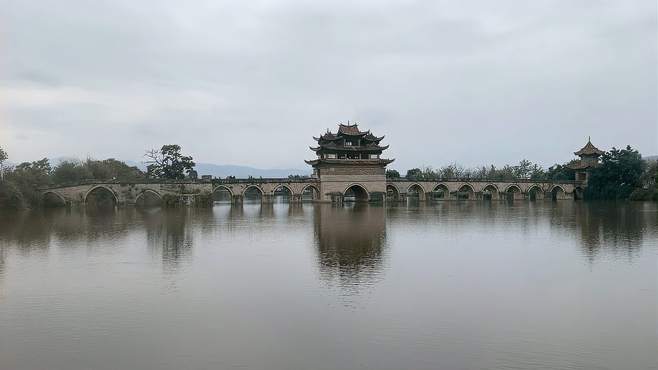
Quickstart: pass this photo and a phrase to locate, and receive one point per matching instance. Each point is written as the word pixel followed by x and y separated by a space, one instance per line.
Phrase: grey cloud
pixel 474 82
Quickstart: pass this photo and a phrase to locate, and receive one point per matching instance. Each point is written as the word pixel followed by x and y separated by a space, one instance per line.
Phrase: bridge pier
pixel 237 199
pixel 336 198
pixel 539 195
pixel 267 199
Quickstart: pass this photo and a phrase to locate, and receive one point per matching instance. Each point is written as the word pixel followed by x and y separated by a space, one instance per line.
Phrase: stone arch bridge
pixel 300 189
pixel 476 189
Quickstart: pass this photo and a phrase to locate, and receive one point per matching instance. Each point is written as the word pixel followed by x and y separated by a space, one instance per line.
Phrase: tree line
pixel 524 170
pixel 19 184
pixel 622 174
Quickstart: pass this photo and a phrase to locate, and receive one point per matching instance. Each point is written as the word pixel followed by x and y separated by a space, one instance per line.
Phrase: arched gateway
pixel 348 168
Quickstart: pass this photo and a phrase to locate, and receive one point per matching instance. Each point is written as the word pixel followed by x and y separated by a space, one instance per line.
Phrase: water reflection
pixel 448 285
pixel 25 231
pixel 3 256
pixel 599 228
pixel 614 228
pixel 351 244
pixel 169 234
pixel 350 241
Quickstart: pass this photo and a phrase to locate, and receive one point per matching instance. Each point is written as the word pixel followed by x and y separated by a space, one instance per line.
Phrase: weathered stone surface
pixel 128 193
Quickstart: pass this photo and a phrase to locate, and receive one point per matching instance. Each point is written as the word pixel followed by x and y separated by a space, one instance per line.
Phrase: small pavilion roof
pixel 589 149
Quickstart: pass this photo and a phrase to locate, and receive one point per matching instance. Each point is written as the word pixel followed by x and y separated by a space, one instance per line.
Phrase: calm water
pixel 448 286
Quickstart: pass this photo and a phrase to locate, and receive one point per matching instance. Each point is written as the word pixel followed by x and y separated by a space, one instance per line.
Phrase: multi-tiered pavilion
pixel 589 158
pixel 349 164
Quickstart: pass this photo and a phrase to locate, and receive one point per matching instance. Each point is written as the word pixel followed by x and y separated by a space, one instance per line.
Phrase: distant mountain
pixel 651 158
pixel 224 170
pixel 54 162
pixel 219 170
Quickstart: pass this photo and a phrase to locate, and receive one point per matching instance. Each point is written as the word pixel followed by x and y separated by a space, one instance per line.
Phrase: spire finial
pixel 589 139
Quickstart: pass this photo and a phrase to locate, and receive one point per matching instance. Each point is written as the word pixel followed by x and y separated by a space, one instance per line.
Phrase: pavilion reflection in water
pixel 351 244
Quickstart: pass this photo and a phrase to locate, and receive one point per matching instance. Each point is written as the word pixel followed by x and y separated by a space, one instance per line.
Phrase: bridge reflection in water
pixel 351 242
pixel 601 224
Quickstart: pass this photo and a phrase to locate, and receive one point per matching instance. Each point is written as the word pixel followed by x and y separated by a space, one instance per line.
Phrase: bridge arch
pixel 281 186
pixel 311 190
pixel 250 190
pixel 578 193
pixel 415 190
pixel 558 192
pixel 490 192
pixel 53 199
pixel 142 198
pixel 223 187
pixel 392 192
pixel 281 193
pixel 466 192
pixel 100 189
pixel 512 188
pixel 358 192
pixel 222 193
pixel 513 191
pixel 535 192
pixel 441 192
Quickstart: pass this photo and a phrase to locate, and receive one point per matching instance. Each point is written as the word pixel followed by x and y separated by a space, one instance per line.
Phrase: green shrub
pixel 11 196
pixel 643 194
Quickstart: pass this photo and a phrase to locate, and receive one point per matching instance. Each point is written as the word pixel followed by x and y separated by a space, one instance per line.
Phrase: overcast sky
pixel 250 82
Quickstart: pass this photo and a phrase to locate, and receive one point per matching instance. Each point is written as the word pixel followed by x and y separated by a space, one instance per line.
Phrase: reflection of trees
pixel 350 243
pixel 94 224
pixel 37 229
pixel 26 231
pixel 3 253
pixel 169 233
pixel 616 228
